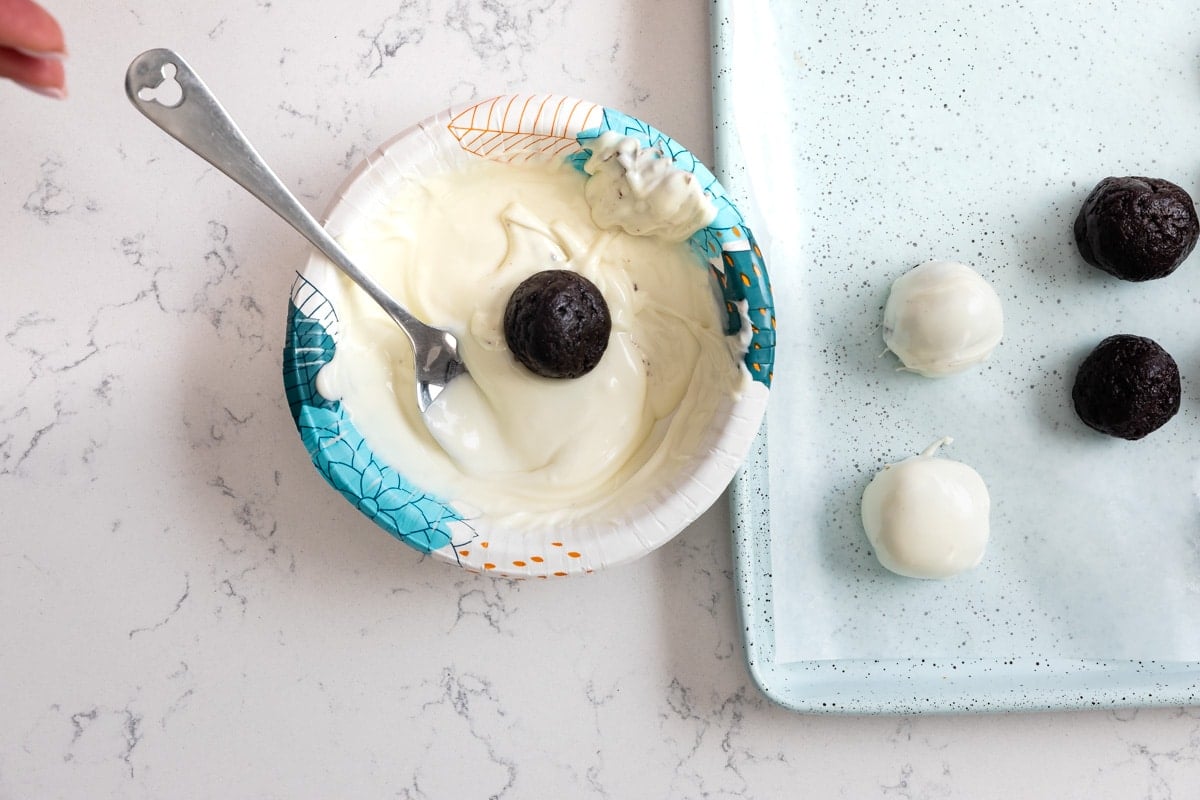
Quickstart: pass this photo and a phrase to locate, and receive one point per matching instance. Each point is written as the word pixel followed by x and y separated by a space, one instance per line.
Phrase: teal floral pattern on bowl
pixel 338 450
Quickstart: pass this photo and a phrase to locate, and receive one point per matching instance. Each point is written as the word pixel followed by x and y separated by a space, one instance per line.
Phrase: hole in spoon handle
pixel 158 81
pixel 164 87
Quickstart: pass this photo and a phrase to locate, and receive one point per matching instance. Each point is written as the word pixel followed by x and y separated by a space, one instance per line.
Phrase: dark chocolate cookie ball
pixel 1127 387
pixel 1137 229
pixel 557 324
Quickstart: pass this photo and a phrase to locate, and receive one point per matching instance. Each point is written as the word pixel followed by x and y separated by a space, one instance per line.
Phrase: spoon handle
pixel 199 122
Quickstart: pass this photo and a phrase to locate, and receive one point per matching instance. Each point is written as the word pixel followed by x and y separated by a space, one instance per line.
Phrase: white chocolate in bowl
pixel 525 450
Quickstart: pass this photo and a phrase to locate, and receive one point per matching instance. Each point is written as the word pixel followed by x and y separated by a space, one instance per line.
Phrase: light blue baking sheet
pixel 866 138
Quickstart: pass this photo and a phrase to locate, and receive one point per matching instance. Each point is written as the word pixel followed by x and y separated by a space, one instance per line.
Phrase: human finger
pixel 42 75
pixel 27 27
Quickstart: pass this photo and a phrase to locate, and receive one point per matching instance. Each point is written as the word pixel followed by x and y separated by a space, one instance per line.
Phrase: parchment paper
pixel 870 138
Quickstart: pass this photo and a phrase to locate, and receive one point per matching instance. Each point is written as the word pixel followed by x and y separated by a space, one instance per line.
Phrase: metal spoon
pixel 190 113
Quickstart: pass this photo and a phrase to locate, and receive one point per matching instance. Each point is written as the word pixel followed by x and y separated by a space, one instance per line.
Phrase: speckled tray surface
pixel 866 140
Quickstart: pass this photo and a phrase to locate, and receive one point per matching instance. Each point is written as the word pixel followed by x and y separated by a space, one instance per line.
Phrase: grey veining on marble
pixel 188 609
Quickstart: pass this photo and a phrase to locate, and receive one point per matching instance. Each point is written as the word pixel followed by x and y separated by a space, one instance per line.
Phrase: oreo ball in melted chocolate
pixel 557 324
pixel 1137 229
pixel 1127 387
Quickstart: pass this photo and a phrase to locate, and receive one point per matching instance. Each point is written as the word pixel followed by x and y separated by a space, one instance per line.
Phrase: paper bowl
pixel 508 129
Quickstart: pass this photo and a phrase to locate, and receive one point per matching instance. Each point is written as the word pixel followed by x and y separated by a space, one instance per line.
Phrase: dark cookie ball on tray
pixel 1135 228
pixel 1127 387
pixel 557 324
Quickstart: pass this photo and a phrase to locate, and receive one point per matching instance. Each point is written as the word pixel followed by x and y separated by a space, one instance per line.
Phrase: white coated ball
pixel 942 317
pixel 927 517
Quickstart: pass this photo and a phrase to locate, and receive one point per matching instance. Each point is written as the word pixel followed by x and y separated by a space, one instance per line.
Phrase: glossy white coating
pixel 941 318
pixel 927 517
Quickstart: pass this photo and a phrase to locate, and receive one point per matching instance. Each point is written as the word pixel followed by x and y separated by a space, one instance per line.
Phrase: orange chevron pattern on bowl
pixel 523 126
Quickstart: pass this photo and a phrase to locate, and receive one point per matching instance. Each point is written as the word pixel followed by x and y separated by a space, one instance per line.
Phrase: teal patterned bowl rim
pixel 510 128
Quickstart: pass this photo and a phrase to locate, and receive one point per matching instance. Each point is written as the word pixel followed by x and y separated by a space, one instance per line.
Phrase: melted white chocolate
pixel 528 450
pixel 640 191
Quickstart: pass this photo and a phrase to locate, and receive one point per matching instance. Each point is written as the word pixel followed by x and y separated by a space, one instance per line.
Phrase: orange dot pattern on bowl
pixel 530 561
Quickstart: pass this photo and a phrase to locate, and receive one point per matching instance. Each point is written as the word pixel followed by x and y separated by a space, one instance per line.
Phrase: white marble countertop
pixel 189 611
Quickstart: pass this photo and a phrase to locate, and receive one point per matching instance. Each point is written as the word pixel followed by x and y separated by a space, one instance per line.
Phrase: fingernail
pixel 46 91
pixel 49 55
